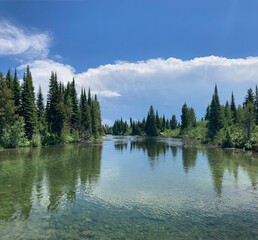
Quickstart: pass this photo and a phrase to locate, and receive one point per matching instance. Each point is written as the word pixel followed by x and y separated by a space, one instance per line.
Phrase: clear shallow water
pixel 128 188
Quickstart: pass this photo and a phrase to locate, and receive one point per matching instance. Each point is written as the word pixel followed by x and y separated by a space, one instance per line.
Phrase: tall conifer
pixel 216 119
pixel 28 106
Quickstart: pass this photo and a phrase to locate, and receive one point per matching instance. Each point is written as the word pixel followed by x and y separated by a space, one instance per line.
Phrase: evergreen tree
pixel 89 97
pixel 173 123
pixel 95 117
pixel 163 125
pixel 7 107
pixel 85 118
pixel 41 114
pixel 192 117
pixel 184 117
pixel 249 119
pixel 249 98
pixel 9 79
pixel 167 124
pixel 75 118
pixel 28 106
pixel 68 105
pixel 249 112
pixel 216 115
pixel 16 92
pixel 55 110
pixel 227 114
pixel 131 122
pixel 158 121
pixel 207 114
pixel 233 109
pixel 151 126
pixel 40 105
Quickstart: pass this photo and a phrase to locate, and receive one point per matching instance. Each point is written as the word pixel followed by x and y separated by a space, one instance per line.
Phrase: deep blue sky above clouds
pixel 153 52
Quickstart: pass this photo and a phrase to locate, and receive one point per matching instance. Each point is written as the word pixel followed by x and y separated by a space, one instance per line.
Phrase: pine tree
pixel 158 122
pixel 191 118
pixel 151 126
pixel 40 105
pixel 96 117
pixel 249 113
pixel 9 79
pixel 28 106
pixel 75 118
pixel 68 105
pixel 207 114
pixel 7 107
pixel 249 98
pixel 85 118
pixel 55 110
pixel 16 92
pixel 233 109
pixel 89 97
pixel 173 123
pixel 184 117
pixel 216 115
pixel 227 114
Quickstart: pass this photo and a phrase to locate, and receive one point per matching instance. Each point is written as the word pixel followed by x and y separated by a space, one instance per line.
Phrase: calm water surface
pixel 128 188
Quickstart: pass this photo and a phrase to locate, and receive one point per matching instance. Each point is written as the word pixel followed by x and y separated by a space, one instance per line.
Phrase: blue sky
pixel 136 53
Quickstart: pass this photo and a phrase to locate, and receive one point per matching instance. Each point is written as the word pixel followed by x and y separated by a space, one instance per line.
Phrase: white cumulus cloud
pixel 16 41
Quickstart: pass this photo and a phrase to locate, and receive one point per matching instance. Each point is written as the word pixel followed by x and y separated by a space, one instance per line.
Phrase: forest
pixel 27 120
pixel 226 125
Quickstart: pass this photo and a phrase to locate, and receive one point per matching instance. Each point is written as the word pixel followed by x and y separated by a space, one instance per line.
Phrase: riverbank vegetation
pixel 25 119
pixel 223 125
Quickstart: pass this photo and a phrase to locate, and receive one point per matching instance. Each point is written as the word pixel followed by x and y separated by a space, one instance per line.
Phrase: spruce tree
pixel 249 113
pixel 163 123
pixel 85 116
pixel 68 104
pixel 249 98
pixel 28 106
pixel 40 105
pixel 158 122
pixel 7 107
pixel 227 114
pixel 173 123
pixel 89 97
pixel 151 126
pixel 9 79
pixel 55 110
pixel 233 109
pixel 16 92
pixel 207 114
pixel 184 117
pixel 75 118
pixel 95 117
pixel 216 118
pixel 191 118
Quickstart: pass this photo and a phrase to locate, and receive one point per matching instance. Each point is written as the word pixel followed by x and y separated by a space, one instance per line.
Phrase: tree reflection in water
pixel 219 160
pixel 45 176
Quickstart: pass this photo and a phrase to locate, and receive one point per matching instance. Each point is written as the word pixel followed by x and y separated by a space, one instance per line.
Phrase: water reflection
pixel 45 177
pixel 232 161
pixel 189 156
pixel 219 161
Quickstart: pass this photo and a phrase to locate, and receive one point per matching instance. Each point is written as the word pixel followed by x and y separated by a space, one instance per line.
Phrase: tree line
pixel 26 120
pixel 225 125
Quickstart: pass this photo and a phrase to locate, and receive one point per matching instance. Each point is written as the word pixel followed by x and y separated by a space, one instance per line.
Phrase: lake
pixel 128 188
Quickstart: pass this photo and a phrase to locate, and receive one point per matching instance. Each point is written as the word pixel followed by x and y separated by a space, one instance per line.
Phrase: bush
pixel 14 135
